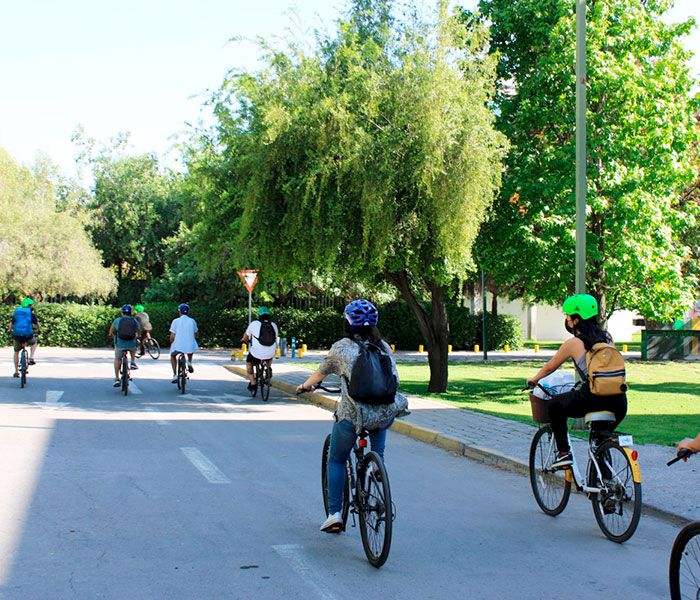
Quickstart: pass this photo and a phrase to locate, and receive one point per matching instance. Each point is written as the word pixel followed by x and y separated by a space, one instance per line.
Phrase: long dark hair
pixel 370 334
pixel 590 332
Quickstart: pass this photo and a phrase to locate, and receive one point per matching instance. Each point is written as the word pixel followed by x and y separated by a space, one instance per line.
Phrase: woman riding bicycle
pixel 360 320
pixel 581 313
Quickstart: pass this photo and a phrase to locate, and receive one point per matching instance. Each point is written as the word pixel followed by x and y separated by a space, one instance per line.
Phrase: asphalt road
pixel 215 495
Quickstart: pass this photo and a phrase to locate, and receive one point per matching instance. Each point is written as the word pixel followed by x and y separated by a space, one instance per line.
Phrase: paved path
pixel 670 491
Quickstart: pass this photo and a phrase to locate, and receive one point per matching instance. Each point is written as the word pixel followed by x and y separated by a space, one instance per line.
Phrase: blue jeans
pixel 343 439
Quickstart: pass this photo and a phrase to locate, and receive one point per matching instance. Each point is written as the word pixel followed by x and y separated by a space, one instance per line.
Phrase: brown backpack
pixel 606 370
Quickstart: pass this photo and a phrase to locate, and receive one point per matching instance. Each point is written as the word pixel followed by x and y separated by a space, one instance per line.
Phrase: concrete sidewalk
pixel 668 492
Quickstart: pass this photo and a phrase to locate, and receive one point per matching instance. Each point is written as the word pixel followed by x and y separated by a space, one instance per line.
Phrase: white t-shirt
pixel 184 329
pixel 256 348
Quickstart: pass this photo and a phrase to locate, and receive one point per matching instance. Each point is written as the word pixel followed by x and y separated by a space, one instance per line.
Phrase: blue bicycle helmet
pixel 361 313
pixel 183 308
pixel 126 309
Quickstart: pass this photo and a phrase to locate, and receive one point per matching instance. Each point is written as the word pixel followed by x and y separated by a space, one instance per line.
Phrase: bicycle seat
pixel 600 415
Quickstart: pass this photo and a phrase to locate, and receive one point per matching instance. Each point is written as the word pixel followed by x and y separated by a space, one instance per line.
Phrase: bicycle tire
pixel 617 511
pixel 684 564
pixel 324 483
pixel 125 375
pixel 550 488
pixel 375 509
pixel 264 382
pixel 181 373
pixel 23 368
pixel 152 347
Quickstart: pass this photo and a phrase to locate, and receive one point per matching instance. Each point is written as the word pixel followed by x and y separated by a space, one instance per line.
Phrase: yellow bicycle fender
pixel 636 471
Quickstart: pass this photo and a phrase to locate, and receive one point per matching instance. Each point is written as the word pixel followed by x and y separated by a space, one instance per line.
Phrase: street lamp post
pixel 581 146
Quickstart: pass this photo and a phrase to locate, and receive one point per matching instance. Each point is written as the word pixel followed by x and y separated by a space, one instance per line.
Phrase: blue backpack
pixel 22 322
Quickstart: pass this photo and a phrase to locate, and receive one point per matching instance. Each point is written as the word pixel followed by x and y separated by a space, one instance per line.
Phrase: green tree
pixel 373 158
pixel 44 250
pixel 640 132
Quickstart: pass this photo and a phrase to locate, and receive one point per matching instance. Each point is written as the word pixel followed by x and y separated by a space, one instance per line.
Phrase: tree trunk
pixel 494 304
pixel 434 327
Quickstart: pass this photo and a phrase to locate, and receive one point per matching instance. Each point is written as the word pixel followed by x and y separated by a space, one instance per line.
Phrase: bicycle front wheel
pixel 375 509
pixel 324 482
pixel 153 348
pixel 684 566
pixel 550 488
pixel 23 366
pixel 618 506
pixel 265 382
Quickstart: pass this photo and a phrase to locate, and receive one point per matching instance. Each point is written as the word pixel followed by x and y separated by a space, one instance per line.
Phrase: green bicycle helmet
pixel 139 308
pixel 263 310
pixel 26 302
pixel 583 305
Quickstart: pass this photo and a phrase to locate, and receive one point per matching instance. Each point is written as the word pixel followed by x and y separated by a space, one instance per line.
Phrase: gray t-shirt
pixel 340 361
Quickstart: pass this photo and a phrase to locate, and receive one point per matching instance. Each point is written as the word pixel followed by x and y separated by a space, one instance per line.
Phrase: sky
pixel 142 66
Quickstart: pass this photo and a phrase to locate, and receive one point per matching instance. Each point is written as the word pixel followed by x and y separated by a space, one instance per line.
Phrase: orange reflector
pixel 362 443
pixel 635 454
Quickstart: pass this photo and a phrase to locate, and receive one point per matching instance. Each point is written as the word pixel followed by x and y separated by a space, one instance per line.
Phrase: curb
pixel 487 456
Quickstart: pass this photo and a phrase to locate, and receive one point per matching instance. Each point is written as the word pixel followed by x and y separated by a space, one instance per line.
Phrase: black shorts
pixel 18 340
pixel 253 360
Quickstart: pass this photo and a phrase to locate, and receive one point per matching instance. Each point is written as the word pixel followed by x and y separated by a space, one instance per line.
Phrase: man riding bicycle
pixel 262 334
pixel 124 329
pixel 22 328
pixel 183 334
pixel 145 332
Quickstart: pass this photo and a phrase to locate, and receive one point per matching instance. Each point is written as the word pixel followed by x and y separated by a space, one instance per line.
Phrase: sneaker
pixel 32 361
pixel 15 374
pixel 562 460
pixel 252 387
pixel 333 524
pixel 174 380
pixel 134 366
pixel 117 383
pixel 190 368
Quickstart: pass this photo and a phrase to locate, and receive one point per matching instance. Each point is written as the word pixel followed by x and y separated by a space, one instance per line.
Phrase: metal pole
pixel 484 326
pixel 250 306
pixel 581 146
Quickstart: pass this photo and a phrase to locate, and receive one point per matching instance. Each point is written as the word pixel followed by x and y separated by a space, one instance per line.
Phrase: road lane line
pixel 159 421
pixel 292 553
pixel 207 468
pixel 133 388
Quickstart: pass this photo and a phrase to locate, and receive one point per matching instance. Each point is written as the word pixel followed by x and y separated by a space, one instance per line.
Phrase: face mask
pixel 567 327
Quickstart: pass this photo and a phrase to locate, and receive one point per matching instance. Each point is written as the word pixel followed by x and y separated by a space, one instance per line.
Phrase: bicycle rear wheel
pixel 324 482
pixel 550 488
pixel 181 373
pixel 125 374
pixel 23 366
pixel 375 509
pixel 618 508
pixel 264 382
pixel 684 566
pixel 152 347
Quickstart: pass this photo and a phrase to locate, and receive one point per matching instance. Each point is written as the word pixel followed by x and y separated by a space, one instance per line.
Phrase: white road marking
pixel 159 421
pixel 52 399
pixel 133 388
pixel 207 468
pixel 292 553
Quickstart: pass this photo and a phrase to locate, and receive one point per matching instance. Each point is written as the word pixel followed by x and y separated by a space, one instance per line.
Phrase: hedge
pixel 75 325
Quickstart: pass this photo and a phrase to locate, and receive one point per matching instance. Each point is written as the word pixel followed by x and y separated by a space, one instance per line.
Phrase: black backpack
pixel 127 329
pixel 267 336
pixel 372 380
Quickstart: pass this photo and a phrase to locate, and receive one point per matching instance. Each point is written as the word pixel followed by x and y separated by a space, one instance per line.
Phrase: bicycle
pixel 684 564
pixel 23 365
pixel 613 477
pixel 263 377
pixel 151 346
pixel 367 494
pixel 182 375
pixel 124 372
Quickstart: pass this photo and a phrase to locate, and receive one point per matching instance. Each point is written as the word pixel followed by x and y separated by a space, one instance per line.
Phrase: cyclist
pixel 183 334
pixel 581 320
pixel 23 325
pixel 262 334
pixel 126 329
pixel 360 321
pixel 145 332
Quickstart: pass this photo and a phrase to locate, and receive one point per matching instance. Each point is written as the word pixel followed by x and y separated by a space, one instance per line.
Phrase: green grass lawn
pixel 663 401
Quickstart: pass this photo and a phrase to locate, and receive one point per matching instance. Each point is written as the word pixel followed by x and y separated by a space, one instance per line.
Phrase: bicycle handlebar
pixel 318 386
pixel 683 453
